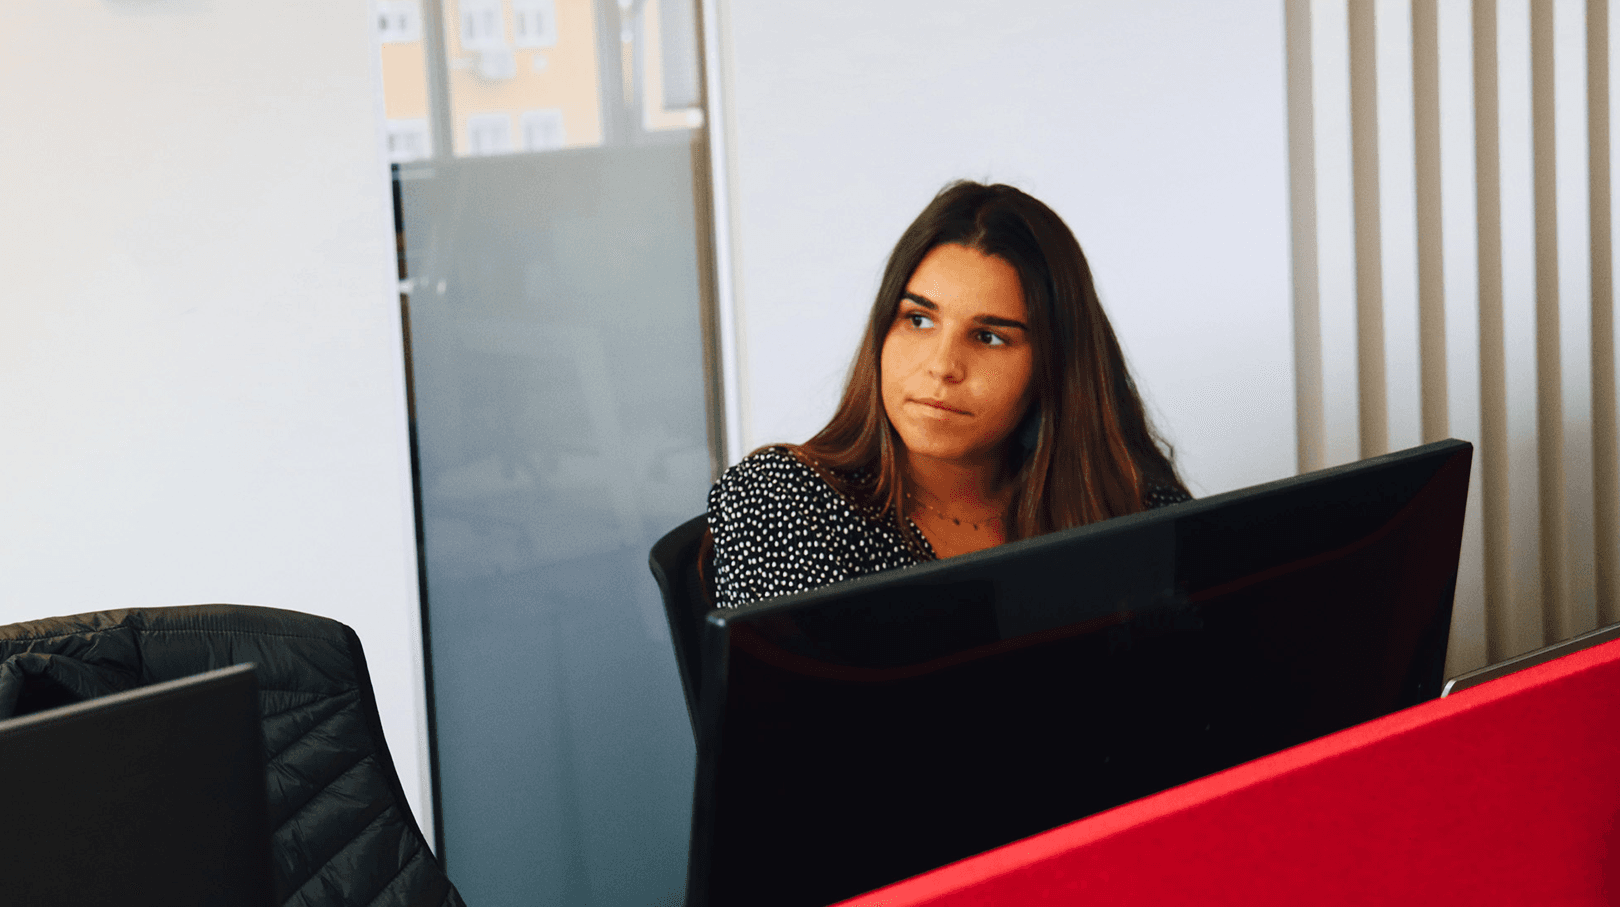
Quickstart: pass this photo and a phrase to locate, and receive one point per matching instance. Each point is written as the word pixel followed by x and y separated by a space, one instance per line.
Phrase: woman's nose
pixel 944 361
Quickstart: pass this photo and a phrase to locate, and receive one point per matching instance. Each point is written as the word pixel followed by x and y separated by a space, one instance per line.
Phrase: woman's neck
pixel 971 486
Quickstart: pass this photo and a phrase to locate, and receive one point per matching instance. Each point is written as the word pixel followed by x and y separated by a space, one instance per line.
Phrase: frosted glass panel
pixel 557 363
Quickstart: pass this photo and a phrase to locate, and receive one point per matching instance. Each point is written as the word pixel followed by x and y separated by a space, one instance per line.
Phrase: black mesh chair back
pixel 674 563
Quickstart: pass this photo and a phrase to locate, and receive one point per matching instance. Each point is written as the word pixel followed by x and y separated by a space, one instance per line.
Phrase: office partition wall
pixel 551 278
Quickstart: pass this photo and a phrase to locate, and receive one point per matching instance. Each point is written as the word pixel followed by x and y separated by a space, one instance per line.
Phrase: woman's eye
pixel 919 320
pixel 989 339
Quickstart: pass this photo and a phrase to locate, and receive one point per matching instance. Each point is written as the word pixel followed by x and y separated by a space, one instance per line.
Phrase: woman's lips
pixel 939 405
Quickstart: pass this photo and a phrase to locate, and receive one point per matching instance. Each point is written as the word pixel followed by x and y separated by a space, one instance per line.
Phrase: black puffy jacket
pixel 341 832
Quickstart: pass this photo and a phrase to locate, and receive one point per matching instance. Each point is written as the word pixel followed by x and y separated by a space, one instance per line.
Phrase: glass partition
pixel 551 281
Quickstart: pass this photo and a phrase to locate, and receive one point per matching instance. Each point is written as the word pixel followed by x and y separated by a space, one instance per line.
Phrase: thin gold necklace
pixel 993 520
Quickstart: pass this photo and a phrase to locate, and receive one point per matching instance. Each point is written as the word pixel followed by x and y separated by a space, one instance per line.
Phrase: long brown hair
pixel 1093 454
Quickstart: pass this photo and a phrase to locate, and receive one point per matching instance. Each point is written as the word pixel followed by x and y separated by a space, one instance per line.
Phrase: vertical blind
pixel 1452 258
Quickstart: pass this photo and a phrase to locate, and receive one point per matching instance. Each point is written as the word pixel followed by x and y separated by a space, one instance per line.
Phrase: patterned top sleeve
pixel 1162 496
pixel 779 528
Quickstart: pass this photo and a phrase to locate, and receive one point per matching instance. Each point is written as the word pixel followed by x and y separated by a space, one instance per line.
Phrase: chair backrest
pixel 674 563
pixel 341 829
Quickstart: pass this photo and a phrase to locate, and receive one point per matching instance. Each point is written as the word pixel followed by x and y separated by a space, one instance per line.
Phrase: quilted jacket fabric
pixel 342 834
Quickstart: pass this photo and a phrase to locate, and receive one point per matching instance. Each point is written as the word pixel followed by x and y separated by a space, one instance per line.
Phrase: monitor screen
pixel 154 796
pixel 856 735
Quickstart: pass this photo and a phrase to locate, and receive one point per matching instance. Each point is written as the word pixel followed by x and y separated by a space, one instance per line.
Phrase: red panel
pixel 1506 793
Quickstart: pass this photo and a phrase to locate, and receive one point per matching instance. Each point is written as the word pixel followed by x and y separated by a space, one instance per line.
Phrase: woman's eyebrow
pixel 987 320
pixel 995 322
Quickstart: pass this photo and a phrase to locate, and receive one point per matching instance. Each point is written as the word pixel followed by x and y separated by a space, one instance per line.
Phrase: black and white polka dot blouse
pixel 779 528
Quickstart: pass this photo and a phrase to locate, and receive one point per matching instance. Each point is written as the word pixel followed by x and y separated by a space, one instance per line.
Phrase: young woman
pixel 988 402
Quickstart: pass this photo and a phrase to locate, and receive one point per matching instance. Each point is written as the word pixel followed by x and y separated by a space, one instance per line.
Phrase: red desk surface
pixel 1506 793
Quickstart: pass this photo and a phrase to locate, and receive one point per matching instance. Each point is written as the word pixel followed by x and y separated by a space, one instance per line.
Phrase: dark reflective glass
pixel 857 735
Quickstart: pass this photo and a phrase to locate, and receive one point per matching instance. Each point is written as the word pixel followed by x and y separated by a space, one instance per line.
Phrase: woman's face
pixel 957 361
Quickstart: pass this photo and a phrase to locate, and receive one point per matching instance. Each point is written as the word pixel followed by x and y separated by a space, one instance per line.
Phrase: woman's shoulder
pixel 771 469
pixel 778 527
pixel 773 478
pixel 768 461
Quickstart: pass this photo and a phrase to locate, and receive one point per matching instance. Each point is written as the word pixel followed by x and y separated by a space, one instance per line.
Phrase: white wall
pixel 201 383
pixel 1156 129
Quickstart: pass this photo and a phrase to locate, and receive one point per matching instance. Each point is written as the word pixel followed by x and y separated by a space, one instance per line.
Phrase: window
pixel 409 140
pixel 489 133
pixel 398 21
pixel 543 130
pixel 534 23
pixel 482 27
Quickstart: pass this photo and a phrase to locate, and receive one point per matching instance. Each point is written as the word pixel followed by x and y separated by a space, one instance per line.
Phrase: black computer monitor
pixel 154 796
pixel 856 735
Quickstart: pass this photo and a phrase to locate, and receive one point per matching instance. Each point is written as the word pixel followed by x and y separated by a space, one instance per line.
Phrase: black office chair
pixel 674 563
pixel 341 831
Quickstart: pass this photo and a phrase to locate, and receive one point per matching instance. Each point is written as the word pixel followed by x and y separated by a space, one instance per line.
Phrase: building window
pixel 398 21
pixel 534 23
pixel 409 140
pixel 489 133
pixel 482 27
pixel 543 130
